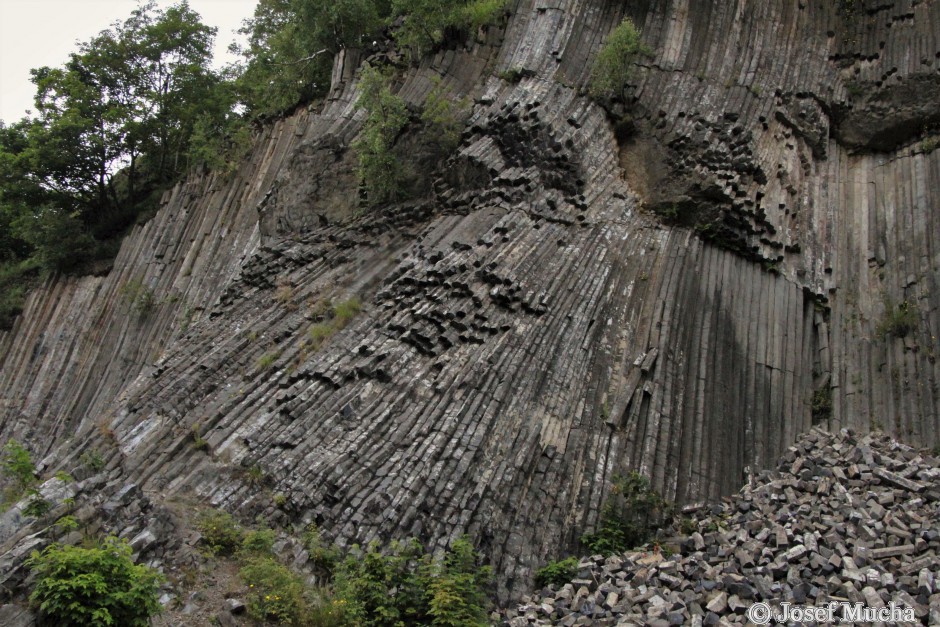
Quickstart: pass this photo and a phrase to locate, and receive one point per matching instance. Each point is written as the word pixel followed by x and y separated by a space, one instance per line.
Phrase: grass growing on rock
pixel 899 319
pixel 335 318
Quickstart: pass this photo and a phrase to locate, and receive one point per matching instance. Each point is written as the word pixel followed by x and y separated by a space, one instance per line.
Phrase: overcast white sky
pixel 34 33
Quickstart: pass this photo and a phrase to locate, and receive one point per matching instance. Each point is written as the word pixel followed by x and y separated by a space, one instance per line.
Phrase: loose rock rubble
pixel 842 518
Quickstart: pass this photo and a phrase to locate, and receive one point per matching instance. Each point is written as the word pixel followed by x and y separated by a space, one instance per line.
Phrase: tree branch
pixel 305 59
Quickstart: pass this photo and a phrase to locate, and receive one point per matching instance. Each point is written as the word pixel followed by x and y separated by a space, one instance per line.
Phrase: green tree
pixel 291 44
pixel 615 62
pixel 425 23
pixel 171 51
pixel 114 125
pixel 380 171
pixel 220 137
pixel 98 586
pixel 19 190
pixel 135 90
pixel 58 237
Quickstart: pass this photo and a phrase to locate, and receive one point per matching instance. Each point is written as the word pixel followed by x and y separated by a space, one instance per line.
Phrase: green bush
pixel 258 542
pixel 93 586
pixel 67 523
pixel 199 442
pixel 345 311
pixel 457 588
pixel 557 573
pixel 324 556
pixel 92 459
pixel 334 318
pixel 479 13
pixel 614 63
pixel 407 586
pixel 384 589
pixel 443 116
pixel 275 593
pixel 36 505
pixel 220 532
pixel 18 469
pixel 630 517
pixel 266 361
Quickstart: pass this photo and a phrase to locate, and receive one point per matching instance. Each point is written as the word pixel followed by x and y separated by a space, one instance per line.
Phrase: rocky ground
pixel 842 518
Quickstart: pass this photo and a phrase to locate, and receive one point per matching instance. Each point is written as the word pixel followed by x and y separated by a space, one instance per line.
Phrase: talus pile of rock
pixel 841 519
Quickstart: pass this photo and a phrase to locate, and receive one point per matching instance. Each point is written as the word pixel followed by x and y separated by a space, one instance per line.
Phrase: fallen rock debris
pixel 842 518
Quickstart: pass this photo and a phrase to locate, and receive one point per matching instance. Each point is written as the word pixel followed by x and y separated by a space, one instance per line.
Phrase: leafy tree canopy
pixel 113 125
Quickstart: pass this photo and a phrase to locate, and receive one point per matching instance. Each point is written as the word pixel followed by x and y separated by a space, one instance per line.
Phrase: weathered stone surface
pixel 528 329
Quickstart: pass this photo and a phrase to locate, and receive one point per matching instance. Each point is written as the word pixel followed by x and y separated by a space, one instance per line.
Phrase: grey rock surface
pixel 530 327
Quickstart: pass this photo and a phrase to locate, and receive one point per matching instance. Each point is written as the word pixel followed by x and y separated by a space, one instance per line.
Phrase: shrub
pixel 854 89
pixel 324 556
pixel 16 278
pixel 443 116
pixel 557 573
pixel 93 586
pixel 319 333
pixel 93 460
pixel 67 523
pixel 221 533
pixel 407 586
pixel 512 75
pixel 456 588
pixel 18 469
pixel 821 404
pixel 630 517
pixel 258 541
pixel 284 291
pixel 479 13
pixel 899 320
pixel 688 526
pixel 36 506
pixel 274 592
pixel 614 63
pixel 17 465
pixel 382 589
pixel 199 442
pixel 335 318
pixel 380 171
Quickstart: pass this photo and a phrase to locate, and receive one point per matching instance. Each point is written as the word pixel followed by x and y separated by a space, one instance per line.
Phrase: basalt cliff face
pixel 669 286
